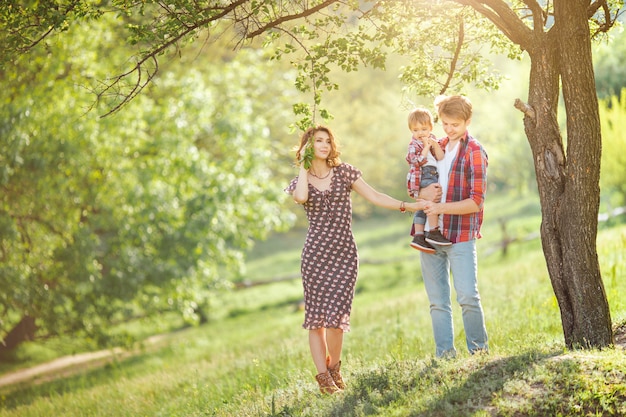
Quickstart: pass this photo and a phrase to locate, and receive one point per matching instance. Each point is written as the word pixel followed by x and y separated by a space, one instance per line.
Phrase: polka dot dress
pixel 330 260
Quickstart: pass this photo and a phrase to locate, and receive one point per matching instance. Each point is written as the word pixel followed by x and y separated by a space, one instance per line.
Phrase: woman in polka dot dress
pixel 329 258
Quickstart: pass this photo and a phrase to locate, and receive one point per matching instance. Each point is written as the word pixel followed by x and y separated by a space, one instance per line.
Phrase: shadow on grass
pixel 466 396
pixel 431 388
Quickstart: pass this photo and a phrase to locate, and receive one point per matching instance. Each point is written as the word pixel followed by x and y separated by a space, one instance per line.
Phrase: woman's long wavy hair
pixel 333 159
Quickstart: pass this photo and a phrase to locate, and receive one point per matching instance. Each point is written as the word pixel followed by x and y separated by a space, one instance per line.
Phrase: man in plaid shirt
pixel 463 179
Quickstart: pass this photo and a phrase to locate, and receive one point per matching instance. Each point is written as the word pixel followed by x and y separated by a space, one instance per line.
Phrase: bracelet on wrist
pixel 402 208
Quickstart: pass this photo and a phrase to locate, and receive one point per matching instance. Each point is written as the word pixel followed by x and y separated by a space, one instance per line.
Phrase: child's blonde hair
pixel 420 115
pixel 458 106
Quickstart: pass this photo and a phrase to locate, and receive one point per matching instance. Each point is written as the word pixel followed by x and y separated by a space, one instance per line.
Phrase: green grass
pixel 253 358
pixel 34 353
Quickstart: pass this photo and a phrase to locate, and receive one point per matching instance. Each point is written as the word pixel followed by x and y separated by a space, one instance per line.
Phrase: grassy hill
pixel 252 359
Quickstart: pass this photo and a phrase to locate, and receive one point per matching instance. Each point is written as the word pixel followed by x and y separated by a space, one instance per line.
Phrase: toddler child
pixel 423 153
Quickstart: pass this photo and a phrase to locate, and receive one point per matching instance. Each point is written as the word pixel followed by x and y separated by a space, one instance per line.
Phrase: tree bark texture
pixel 568 183
pixel 590 323
pixel 23 331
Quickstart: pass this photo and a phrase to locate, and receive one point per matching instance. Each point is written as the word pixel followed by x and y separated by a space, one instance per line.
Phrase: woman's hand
pixel 431 208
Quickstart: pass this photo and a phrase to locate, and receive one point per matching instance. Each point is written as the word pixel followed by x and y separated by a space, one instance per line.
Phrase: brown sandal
pixel 336 374
pixel 327 385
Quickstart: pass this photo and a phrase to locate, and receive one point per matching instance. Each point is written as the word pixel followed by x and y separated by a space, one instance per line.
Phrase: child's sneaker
pixel 435 237
pixel 419 243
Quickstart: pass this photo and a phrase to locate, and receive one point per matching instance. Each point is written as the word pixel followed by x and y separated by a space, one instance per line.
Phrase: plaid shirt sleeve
pixel 468 179
pixel 413 157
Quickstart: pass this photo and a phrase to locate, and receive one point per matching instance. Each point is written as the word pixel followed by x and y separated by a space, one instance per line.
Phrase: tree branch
pixel 609 21
pixel 139 68
pixel 152 54
pixel 593 7
pixel 288 18
pixel 524 108
pixel 47 26
pixel 504 18
pixel 136 89
pixel 455 58
pixel 539 13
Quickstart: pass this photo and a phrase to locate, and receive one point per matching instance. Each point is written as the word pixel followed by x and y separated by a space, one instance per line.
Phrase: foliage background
pixel 152 209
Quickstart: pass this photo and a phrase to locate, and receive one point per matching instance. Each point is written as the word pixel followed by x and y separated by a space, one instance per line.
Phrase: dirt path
pixel 46 371
pixel 69 365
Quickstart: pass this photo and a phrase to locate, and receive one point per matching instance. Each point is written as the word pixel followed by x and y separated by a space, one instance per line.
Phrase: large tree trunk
pixel 568 187
pixel 588 320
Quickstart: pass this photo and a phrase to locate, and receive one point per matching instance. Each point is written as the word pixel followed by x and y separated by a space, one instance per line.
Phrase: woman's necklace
pixel 321 178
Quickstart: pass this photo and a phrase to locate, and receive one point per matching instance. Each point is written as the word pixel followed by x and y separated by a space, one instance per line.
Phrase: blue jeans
pixel 460 259
pixel 429 176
